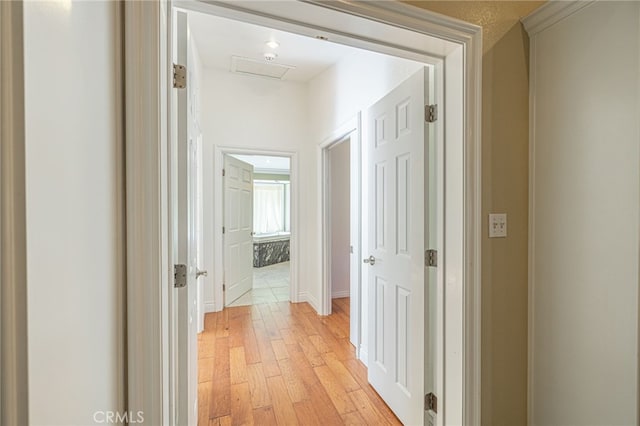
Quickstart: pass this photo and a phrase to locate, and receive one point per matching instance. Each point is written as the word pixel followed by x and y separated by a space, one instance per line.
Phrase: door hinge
pixel 223 172
pixel 179 76
pixel 179 275
pixel 431 402
pixel 431 113
pixel 431 258
pixel 224 287
pixel 223 229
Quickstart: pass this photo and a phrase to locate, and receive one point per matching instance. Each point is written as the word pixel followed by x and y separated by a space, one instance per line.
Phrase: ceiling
pixel 219 39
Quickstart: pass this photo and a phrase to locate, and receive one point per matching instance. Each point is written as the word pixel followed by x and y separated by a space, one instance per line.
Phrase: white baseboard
pixel 307 297
pixel 338 294
pixel 209 307
pixel 363 355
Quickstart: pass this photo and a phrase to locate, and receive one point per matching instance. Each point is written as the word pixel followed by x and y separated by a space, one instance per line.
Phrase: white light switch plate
pixel 497 225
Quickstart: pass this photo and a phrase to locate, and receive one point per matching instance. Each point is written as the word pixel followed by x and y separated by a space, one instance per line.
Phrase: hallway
pixel 282 364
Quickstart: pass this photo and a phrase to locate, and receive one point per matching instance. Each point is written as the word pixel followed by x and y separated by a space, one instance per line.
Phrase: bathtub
pixel 269 249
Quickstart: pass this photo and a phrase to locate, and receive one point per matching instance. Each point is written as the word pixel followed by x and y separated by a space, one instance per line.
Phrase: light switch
pixel 497 225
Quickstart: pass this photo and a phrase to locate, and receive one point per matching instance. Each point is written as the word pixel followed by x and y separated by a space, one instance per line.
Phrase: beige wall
pixel 505 111
pixel 586 206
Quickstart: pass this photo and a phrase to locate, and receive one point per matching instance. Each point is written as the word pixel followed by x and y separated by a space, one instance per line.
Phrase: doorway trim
pixel 14 398
pixel 147 32
pixel 218 220
pixel 350 129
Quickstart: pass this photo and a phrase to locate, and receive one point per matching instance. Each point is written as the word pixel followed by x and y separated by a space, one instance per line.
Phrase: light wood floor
pixel 282 364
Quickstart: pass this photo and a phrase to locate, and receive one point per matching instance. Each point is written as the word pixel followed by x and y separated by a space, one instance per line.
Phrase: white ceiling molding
pixel 551 13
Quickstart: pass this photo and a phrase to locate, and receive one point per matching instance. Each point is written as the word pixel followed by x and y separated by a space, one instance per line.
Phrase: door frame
pixel 14 401
pixel 350 129
pixel 218 221
pixel 147 35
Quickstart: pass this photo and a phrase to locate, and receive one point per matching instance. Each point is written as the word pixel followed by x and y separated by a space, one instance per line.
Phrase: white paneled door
pixel 238 228
pixel 397 161
pixel 184 176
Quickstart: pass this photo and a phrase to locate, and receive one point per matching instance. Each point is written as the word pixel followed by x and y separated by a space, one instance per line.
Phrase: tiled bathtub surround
pixel 270 284
pixel 270 252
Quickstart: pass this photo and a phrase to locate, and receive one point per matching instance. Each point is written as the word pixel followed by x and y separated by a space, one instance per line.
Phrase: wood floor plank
pixel 318 342
pixel 341 372
pixel 241 409
pixel 282 405
pixel 239 311
pixel 221 360
pixel 353 418
pixel 307 414
pixel 251 351
pixel 269 322
pixel 366 409
pixel 206 344
pixel 338 346
pixel 279 349
pixel 287 336
pixel 280 319
pixel 304 372
pixel 342 303
pixel 258 386
pixel 323 405
pixel 204 393
pixel 359 372
pixel 309 350
pixel 236 335
pixel 301 366
pixel 264 416
pixel 220 398
pixel 210 321
pixel 336 392
pixel 336 326
pixel 222 324
pixel 267 356
pixel 238 365
pixel 293 381
pixel 220 421
pixel 205 370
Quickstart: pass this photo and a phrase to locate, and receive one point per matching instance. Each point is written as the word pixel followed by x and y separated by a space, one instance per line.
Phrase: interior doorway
pixel 268 266
pixel 268 255
pixel 341 180
pixel 409 33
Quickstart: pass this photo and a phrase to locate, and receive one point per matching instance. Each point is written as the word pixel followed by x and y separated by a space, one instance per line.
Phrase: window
pixel 271 201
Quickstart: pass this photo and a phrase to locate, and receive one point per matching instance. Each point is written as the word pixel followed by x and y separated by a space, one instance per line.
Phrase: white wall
pixel 340 178
pixel 585 214
pixel 352 85
pixel 74 206
pixel 261 114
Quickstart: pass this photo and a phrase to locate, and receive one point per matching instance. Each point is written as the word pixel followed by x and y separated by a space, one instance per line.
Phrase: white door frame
pixel 218 221
pixel 349 129
pixel 147 30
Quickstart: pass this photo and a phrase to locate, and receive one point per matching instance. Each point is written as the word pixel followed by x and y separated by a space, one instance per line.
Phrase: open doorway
pixel 295 97
pixel 461 59
pixel 270 233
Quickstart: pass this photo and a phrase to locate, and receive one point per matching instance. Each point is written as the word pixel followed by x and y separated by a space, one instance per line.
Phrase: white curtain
pixel 268 208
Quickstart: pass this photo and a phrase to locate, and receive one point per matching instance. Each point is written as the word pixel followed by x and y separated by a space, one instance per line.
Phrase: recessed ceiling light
pixel 272 44
pixel 269 56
